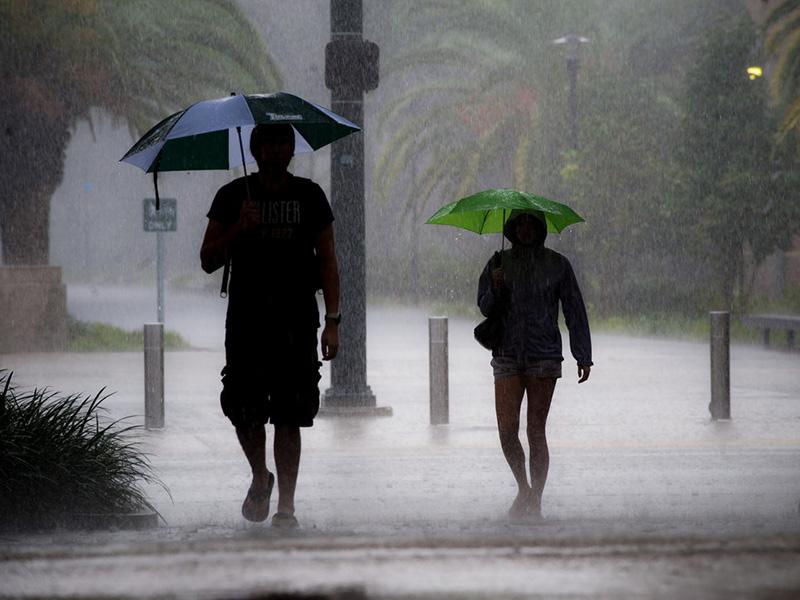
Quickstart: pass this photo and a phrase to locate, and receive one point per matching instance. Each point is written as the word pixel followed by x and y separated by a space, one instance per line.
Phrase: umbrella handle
pixel 155 180
pixel 244 166
pixel 226 272
pixel 155 185
pixel 503 233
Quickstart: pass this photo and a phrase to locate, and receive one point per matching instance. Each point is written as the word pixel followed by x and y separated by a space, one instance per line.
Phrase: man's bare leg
pixel 508 392
pixel 253 441
pixel 287 462
pixel 540 394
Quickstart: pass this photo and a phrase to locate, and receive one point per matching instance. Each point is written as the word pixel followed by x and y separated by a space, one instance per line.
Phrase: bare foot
pixel 535 507
pixel 282 520
pixel 521 506
pixel 256 504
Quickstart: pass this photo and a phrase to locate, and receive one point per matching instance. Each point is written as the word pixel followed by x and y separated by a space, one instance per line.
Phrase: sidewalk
pixel 640 477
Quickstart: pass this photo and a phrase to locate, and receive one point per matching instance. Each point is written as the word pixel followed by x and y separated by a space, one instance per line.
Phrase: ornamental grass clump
pixel 60 460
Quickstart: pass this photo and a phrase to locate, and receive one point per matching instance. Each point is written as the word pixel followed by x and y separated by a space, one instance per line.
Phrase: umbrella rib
pixel 483 224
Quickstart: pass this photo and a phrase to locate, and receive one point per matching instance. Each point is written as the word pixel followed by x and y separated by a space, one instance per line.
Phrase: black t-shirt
pixel 274 267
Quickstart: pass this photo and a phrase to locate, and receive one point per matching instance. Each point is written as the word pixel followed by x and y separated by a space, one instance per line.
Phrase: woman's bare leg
pixel 508 392
pixel 540 394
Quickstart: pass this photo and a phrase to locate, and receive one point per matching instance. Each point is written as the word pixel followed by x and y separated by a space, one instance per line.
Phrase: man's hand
pixel 249 216
pixel 330 340
pixel 583 373
pixel 498 278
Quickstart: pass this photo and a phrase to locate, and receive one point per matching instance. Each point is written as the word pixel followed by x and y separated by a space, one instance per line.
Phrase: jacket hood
pixel 509 229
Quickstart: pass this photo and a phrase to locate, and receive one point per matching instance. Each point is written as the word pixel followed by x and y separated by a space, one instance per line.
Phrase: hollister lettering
pixel 283 212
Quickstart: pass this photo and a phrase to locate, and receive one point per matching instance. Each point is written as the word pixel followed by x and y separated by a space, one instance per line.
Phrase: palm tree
pixel 782 45
pixel 136 60
pixel 483 90
pixel 482 99
pixel 484 80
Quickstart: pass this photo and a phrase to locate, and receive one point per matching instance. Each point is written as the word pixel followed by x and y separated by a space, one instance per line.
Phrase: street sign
pixel 164 219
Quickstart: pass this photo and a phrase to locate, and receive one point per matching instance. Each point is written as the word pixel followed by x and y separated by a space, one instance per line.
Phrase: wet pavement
pixel 646 495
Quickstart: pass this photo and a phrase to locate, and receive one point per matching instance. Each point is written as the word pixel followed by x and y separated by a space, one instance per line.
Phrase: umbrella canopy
pixel 488 211
pixel 204 136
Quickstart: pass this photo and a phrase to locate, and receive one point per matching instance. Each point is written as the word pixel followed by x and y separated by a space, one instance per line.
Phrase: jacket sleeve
pixel 580 340
pixel 487 299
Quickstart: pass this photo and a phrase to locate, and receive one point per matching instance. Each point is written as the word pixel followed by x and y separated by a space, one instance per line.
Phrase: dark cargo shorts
pixel 271 377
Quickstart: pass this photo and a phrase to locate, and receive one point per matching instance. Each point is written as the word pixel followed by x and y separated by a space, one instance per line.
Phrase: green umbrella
pixel 488 211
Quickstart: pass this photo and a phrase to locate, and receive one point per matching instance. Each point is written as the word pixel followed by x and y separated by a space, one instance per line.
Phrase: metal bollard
pixel 153 375
pixel 720 405
pixel 439 394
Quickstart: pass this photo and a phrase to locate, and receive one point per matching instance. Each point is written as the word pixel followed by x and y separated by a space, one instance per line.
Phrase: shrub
pixel 100 337
pixel 59 459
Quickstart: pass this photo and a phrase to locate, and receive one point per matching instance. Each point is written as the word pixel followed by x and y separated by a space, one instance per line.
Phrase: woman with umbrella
pixel 522 287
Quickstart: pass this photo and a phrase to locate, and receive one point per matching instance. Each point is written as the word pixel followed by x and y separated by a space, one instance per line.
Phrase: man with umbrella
pixel 277 231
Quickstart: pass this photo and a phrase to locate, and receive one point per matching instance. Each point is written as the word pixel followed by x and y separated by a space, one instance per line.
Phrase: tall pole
pixel 720 405
pixel 572 101
pixel 351 68
pixel 160 276
pixel 573 43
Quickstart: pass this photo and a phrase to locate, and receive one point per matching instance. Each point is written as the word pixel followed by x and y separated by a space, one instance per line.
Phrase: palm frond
pixel 787 70
pixel 791 119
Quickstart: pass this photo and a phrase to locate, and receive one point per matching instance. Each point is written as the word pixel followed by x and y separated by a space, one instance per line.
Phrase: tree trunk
pixel 25 227
pixel 33 143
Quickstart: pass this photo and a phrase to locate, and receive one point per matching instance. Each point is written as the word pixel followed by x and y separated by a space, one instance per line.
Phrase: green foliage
pixel 676 170
pixel 671 325
pixel 138 60
pixel 621 181
pixel 782 45
pixel 101 337
pixel 737 187
pixel 60 458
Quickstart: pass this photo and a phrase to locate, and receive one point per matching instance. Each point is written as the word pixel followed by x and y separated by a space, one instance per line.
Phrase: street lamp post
pixel 351 68
pixel 573 42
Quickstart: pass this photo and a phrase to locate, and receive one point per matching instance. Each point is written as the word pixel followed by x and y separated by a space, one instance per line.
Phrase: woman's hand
pixel 498 278
pixel 583 373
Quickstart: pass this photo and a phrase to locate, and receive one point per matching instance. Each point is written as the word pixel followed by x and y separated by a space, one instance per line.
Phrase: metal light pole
pixel 351 68
pixel 573 42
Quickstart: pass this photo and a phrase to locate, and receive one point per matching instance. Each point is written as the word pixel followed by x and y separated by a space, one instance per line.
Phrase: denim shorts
pixel 506 366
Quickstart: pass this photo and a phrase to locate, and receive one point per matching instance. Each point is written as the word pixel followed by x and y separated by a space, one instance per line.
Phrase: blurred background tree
pixel 737 192
pixel 137 60
pixel 480 100
pixel 782 45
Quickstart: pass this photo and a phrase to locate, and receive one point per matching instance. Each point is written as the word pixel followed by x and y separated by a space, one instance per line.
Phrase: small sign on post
pixel 164 219
pixel 159 221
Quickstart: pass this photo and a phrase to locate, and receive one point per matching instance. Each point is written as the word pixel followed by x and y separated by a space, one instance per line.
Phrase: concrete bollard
pixel 153 375
pixel 438 362
pixel 720 406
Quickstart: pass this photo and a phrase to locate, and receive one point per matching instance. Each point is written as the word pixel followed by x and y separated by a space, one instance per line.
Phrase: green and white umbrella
pixel 215 134
pixel 206 136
